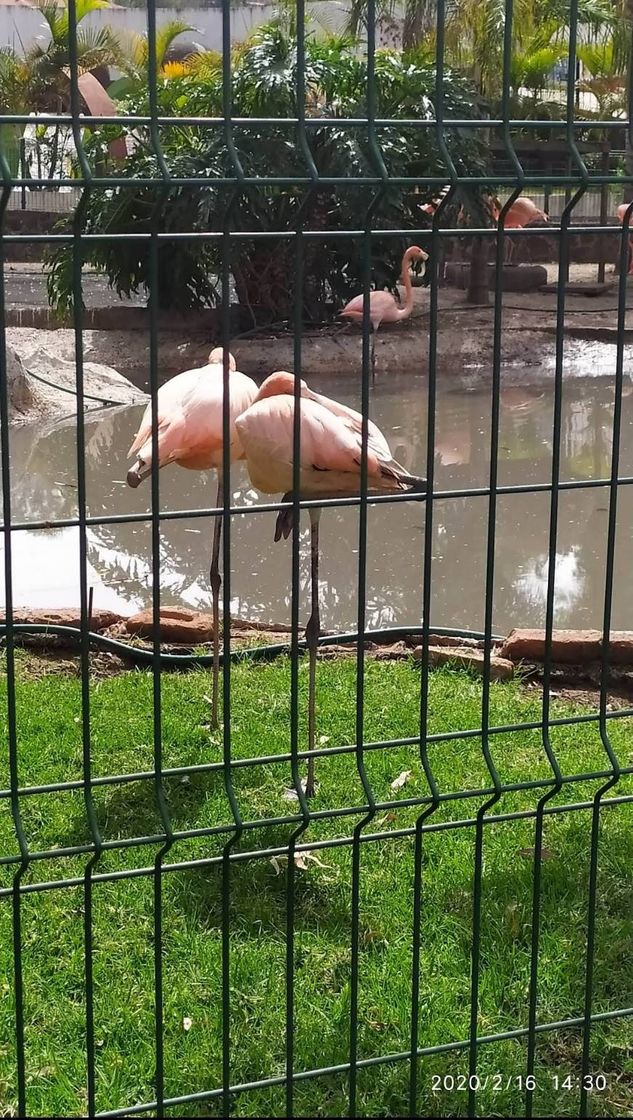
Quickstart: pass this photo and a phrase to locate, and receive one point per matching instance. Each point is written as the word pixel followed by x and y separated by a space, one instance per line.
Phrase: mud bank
pixel 463 351
pixel 461 342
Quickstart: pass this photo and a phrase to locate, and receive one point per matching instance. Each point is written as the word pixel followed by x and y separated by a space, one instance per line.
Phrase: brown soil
pixel 463 343
pixel 39 656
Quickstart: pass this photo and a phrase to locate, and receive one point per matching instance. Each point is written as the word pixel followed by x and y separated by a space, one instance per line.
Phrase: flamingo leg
pixel 216 582
pixel 313 630
pixel 373 355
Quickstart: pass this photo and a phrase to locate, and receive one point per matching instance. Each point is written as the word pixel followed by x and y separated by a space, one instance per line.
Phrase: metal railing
pixel 78 868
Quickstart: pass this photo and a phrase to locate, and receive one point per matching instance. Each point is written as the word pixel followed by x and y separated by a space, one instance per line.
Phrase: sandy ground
pixel 25 286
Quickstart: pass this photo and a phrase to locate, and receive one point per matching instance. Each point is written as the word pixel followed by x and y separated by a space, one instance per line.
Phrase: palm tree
pixel 418 25
pixel 540 38
pixel 40 82
pixel 134 61
pixel 474 30
pixel 533 60
pixel 49 65
pixel 15 97
pixel 607 78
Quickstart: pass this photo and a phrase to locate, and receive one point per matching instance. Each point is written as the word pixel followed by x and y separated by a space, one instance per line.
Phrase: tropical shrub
pixel 264 85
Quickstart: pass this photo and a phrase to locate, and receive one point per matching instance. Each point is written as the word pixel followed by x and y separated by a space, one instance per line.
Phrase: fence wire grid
pixel 452 1061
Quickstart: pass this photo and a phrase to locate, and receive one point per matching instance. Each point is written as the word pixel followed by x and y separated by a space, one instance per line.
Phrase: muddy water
pixel 44 486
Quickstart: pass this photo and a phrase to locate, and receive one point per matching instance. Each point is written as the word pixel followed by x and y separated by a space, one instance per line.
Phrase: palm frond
pixel 83 8
pixel 165 36
pixel 56 19
pixel 135 47
pixel 206 66
pixel 357 16
pixel 98 46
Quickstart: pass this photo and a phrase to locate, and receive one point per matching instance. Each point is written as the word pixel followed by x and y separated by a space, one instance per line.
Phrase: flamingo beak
pixel 137 473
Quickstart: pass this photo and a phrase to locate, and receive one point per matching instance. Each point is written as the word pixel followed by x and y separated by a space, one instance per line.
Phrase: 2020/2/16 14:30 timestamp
pixel 498 1082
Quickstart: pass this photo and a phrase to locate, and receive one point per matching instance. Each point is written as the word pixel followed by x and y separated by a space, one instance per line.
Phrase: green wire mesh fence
pixel 333 182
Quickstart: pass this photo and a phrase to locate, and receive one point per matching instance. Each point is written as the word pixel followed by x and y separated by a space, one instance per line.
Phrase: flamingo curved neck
pixel 405 279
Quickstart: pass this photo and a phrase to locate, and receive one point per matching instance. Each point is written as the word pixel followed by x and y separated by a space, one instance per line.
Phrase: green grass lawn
pixel 50 751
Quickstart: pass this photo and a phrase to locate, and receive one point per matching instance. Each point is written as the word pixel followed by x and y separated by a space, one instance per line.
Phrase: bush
pixel 264 85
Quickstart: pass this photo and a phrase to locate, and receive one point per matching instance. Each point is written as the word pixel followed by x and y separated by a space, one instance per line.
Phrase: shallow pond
pixel 46 562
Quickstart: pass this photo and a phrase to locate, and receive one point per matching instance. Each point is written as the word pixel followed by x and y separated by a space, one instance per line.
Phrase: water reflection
pixel 44 486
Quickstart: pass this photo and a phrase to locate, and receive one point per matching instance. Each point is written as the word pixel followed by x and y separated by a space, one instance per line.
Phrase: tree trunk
pixel 628 163
pixel 628 166
pixel 477 291
pixel 414 24
pixel 261 282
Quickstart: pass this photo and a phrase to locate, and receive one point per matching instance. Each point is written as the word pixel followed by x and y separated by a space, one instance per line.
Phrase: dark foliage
pixel 265 82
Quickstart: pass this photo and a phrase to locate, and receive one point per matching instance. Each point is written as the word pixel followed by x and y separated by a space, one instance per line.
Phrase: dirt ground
pixel 41 654
pixel 464 341
pixel 463 344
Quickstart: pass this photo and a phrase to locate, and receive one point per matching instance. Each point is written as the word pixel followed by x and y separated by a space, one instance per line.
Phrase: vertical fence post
pixel 22 859
pixel 604 211
pixel 22 172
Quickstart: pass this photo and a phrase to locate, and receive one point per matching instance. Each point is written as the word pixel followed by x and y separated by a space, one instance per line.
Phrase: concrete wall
pixel 21 27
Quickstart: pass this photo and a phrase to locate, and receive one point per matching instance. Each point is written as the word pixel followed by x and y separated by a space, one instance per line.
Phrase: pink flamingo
pixel 520 214
pixel 189 421
pixel 523 211
pixel 382 305
pixel 621 213
pixel 329 467
pixel 430 207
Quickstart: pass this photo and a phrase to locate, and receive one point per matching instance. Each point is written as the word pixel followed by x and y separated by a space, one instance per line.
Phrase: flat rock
pixel 453 640
pixel 514 278
pixel 580 289
pixel 64 616
pixel 21 395
pixel 48 384
pixel 395 652
pixel 177 624
pixel 569 646
pixel 501 669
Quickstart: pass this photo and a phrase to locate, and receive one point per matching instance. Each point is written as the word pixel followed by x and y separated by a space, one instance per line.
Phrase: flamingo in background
pixel 189 423
pixel 522 212
pixel 430 207
pixel 621 213
pixel 382 305
pixel 329 467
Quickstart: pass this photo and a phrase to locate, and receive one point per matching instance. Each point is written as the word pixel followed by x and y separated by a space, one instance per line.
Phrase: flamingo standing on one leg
pixel 382 305
pixel 190 426
pixel 621 213
pixel 329 467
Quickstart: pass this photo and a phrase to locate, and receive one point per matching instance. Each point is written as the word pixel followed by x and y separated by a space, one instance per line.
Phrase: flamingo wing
pixel 169 401
pixel 354 307
pixel 330 450
pixel 190 412
pixel 354 421
pixel 381 305
pixel 202 411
